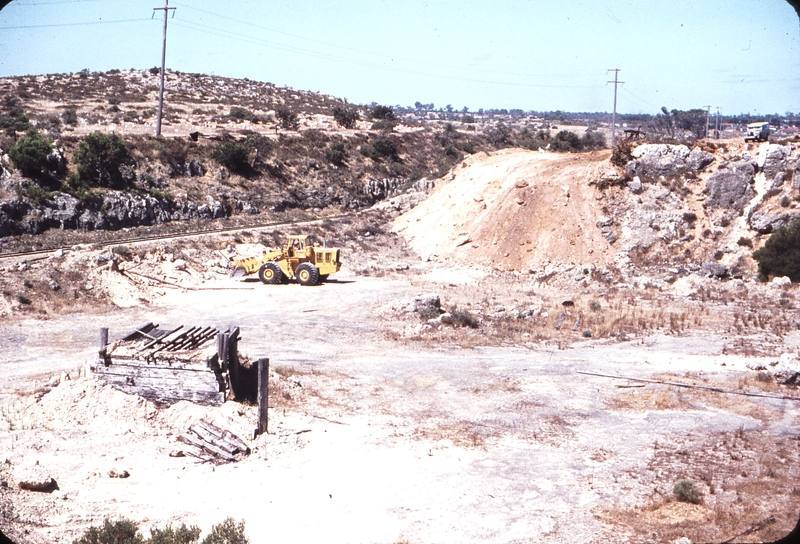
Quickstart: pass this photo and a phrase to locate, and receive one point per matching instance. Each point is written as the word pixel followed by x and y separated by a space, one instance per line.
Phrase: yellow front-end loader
pixel 299 260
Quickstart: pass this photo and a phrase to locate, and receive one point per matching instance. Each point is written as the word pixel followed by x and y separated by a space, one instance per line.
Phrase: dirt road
pixel 378 441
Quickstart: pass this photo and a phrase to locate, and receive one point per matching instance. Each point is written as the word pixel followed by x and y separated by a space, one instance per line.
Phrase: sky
pixel 740 56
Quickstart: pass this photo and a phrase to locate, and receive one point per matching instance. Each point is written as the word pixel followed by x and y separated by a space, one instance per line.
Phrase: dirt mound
pixel 513 210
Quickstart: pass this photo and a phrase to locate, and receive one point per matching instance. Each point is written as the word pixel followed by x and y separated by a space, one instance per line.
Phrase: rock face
pixel 787 370
pixel 731 186
pixel 654 162
pixel 765 223
pixel 778 161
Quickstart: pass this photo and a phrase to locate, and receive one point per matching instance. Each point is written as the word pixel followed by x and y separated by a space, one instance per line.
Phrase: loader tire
pixel 270 273
pixel 307 274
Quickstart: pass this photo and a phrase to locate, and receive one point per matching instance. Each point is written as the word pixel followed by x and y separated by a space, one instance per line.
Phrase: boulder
pixel 716 270
pixel 698 159
pixel 731 186
pixel 765 222
pixel 33 478
pixel 427 303
pixel 778 160
pixel 787 371
pixel 780 282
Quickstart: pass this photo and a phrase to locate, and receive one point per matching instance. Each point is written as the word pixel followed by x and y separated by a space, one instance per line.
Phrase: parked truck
pixel 757 132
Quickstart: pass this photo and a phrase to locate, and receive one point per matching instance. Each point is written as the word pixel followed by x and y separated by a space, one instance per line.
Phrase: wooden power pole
pixel 166 9
pixel 616 82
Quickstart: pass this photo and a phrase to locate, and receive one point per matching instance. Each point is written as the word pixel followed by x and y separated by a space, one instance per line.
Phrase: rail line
pixel 40 254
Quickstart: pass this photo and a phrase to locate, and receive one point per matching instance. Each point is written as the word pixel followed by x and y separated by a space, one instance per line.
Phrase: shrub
pixel 780 255
pixel 467 146
pixel 382 112
pixel 99 158
pixel 587 333
pixel 70 116
pixel 287 118
pixel 122 251
pixel 468 118
pixel 595 306
pixel 126 531
pixel 181 535
pixel 232 155
pixel 745 242
pixel 30 156
pixel 227 532
pixel 13 118
pixel 335 153
pixel 38 194
pixel 123 531
pixel 685 491
pixel 346 117
pixel 785 201
pixel 384 147
pixel 240 114
pixel 462 318
pixel 623 153
pixel 498 136
pixel 566 141
pixel 593 140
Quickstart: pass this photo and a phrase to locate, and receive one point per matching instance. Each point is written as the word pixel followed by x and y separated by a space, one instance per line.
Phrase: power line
pixel 23 27
pixel 283 47
pixel 373 53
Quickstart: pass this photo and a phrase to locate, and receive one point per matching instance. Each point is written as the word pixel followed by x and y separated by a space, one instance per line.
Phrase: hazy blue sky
pixel 739 55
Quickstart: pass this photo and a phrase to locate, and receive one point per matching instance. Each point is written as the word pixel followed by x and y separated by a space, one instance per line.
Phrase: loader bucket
pixel 238 272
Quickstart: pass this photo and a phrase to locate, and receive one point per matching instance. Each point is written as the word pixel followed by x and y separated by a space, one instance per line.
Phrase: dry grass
pixel 745 477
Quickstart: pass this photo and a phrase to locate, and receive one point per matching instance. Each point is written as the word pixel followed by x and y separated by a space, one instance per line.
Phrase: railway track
pixel 39 254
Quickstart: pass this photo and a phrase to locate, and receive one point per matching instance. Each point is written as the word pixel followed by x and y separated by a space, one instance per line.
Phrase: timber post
pixel 263 396
pixel 103 343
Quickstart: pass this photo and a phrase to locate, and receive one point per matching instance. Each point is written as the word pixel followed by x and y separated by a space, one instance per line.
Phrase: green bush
pixel 38 194
pixel 593 140
pixel 335 153
pixel 287 118
pixel 70 116
pixel 685 491
pixel 123 531
pixel 462 318
pixel 227 532
pixel 126 531
pixel 785 201
pixel 30 156
pixel 468 118
pixel 13 118
pixel 99 157
pixel 566 141
pixel 382 112
pixel 181 535
pixel 385 148
pixel 240 114
pixel 232 155
pixel 780 255
pixel 346 117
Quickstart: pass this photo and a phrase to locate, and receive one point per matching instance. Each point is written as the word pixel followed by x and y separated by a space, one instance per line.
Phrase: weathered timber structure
pixel 198 364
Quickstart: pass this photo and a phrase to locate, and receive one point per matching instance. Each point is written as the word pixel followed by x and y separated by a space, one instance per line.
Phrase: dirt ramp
pixel 514 210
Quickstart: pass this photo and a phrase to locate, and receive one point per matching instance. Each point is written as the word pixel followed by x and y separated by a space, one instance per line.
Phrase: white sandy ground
pixel 389 441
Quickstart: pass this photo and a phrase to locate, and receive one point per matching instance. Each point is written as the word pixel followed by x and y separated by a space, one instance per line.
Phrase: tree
pixel 346 117
pixel 99 157
pixel 232 155
pixel 335 153
pixel 287 118
pixel 32 156
pixel 780 255
pixel 382 112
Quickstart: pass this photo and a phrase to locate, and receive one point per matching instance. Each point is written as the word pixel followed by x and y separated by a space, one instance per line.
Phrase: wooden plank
pixel 194 381
pixel 211 448
pixel 153 342
pixel 139 363
pixel 103 342
pixel 169 397
pixel 143 330
pixel 263 396
pixel 234 442
pixel 213 439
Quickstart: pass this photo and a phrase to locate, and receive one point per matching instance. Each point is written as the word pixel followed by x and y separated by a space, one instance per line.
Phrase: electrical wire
pixel 23 27
pixel 373 53
pixel 283 47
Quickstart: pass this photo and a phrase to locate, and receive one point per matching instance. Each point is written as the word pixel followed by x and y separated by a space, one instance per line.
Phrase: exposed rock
pixel 635 185
pixel 113 473
pixel 654 162
pixel 425 303
pixel 777 161
pixel 33 478
pixel 193 168
pixel 731 186
pixel 780 282
pixel 378 189
pixel 765 222
pixel 716 270
pixel 787 371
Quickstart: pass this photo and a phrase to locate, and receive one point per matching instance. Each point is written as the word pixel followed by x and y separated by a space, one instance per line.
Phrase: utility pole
pixel 708 112
pixel 716 131
pixel 614 115
pixel 166 9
